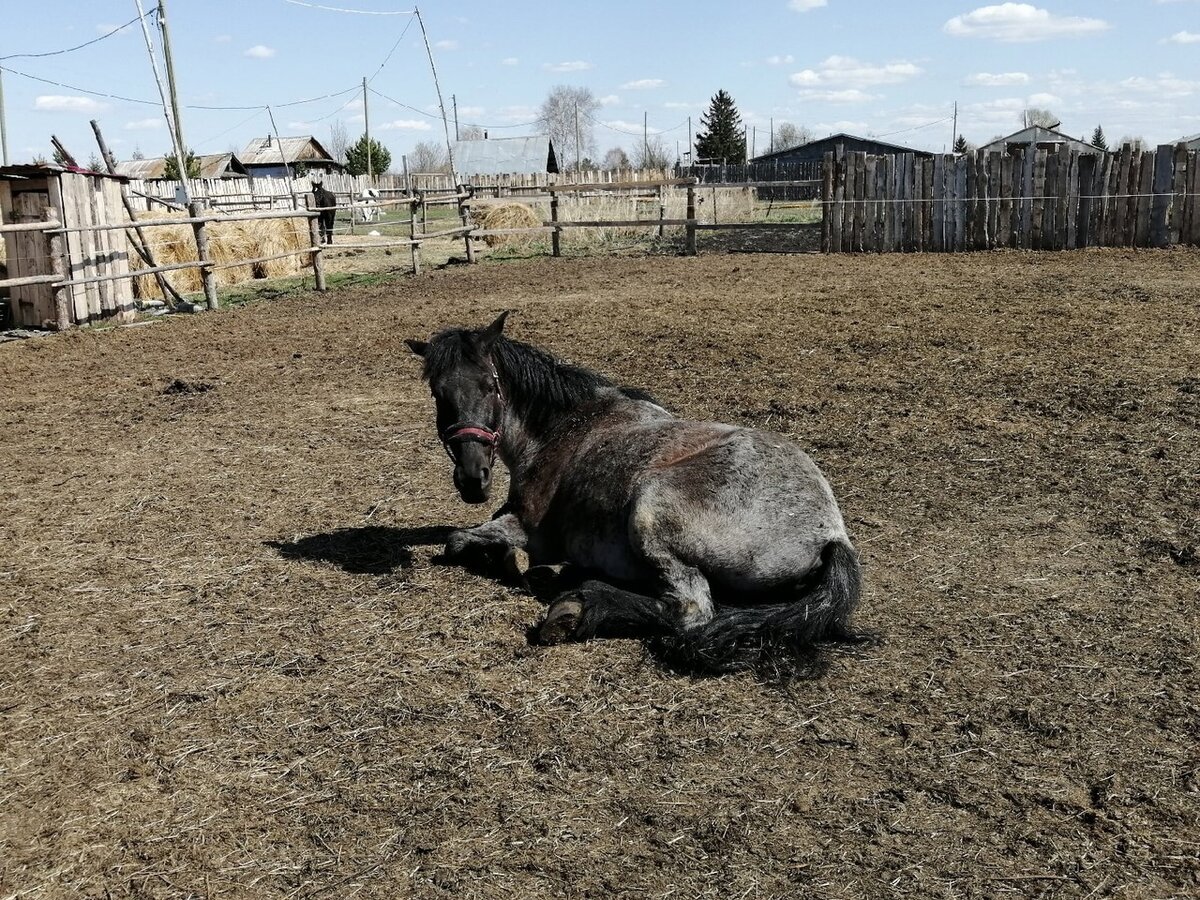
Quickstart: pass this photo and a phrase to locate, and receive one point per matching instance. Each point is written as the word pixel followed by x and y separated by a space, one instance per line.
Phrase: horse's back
pixel 749 508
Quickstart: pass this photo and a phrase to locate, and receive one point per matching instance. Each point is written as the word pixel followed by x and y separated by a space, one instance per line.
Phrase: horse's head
pixel 470 402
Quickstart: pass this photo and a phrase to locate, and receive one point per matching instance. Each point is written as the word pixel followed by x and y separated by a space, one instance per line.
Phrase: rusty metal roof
pixel 267 151
pixel 212 165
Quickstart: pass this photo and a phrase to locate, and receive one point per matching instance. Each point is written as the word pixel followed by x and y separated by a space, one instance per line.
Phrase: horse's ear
pixel 417 347
pixel 489 335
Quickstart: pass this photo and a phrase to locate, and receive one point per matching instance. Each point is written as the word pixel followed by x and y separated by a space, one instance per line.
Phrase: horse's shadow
pixel 367 550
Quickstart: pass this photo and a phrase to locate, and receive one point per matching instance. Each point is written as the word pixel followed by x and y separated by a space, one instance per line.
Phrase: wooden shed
pixel 75 199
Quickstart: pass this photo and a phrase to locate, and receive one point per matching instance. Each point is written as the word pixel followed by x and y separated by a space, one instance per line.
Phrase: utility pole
pixel 3 126
pixel 691 145
pixel 367 128
pixel 578 149
pixel 645 139
pixel 180 144
pixel 753 140
pixel 772 144
pixel 454 103
pixel 954 127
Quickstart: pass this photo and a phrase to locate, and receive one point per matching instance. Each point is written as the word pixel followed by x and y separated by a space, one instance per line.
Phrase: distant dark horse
pixel 671 513
pixel 326 201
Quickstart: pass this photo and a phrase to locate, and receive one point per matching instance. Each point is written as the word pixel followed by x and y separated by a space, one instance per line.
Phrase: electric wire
pixel 77 46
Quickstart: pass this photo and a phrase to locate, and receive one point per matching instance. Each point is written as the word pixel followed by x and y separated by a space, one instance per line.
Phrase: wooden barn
pixel 279 157
pixel 814 151
pixel 72 198
pixel 1041 137
pixel 212 165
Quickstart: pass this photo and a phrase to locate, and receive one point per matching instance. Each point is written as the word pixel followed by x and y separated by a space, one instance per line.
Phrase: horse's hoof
pixel 560 622
pixel 457 544
pixel 516 564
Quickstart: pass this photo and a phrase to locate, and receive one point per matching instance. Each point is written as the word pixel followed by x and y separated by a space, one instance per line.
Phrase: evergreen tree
pixel 960 145
pixel 172 166
pixel 356 157
pixel 1098 139
pixel 725 137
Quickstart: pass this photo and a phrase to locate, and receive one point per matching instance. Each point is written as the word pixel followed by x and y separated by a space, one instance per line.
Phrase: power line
pixel 393 50
pixel 358 12
pixel 915 127
pixel 430 115
pixel 72 87
pixel 77 46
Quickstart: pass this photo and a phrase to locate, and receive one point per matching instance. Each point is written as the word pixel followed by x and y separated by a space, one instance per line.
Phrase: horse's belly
pixel 610 556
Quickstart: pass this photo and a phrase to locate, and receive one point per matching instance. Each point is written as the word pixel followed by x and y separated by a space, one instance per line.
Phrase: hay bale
pixel 228 242
pixel 508 215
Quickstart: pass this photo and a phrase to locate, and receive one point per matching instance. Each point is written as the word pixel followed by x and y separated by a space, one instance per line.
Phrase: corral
pixel 232 665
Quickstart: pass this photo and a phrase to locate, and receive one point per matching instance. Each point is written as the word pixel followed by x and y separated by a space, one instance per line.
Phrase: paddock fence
pixel 1030 199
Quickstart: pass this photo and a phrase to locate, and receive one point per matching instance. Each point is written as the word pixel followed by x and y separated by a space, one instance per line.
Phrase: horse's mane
pixel 539 386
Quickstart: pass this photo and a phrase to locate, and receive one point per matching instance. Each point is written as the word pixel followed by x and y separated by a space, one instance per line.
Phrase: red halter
pixel 473 431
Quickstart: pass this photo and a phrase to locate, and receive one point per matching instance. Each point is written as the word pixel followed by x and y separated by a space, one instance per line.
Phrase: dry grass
pixel 228 242
pixel 231 665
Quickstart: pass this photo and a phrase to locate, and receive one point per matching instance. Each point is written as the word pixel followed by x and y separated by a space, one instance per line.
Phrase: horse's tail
pixel 777 641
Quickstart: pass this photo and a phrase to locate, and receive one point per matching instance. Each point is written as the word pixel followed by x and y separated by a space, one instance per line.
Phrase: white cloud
pixel 259 51
pixel 510 61
pixel 1014 22
pixel 1184 37
pixel 1001 79
pixel 805 5
pixel 1043 100
pixel 851 95
pixel 60 103
pixel 149 124
pixel 848 72
pixel 471 110
pixel 675 104
pixel 223 38
pixel 777 60
pixel 841 125
pixel 577 65
pixel 643 84
pixel 609 100
pixel 406 125
pixel 446 45
pixel 1164 85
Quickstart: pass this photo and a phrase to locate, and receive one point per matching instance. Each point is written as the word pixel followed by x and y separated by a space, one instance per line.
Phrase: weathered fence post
pixel 555 240
pixel 418 198
pixel 318 261
pixel 58 266
pixel 196 211
pixel 827 203
pixel 464 215
pixel 690 247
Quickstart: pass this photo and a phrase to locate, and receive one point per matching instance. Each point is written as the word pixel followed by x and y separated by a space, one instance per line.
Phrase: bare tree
pixel 339 141
pixel 652 154
pixel 788 135
pixel 1042 117
pixel 470 133
pixel 615 160
pixel 428 156
pixel 566 115
pixel 1138 143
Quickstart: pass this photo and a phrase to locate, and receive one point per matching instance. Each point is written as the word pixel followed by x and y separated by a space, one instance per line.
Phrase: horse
pixel 367 208
pixel 722 547
pixel 326 203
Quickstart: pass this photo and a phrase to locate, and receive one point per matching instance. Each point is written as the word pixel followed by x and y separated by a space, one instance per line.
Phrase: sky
pixel 888 70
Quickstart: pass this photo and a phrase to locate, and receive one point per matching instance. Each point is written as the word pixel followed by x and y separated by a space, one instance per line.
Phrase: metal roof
pixel 212 165
pixel 267 151
pixel 835 139
pixel 25 172
pixel 1192 141
pixel 505 156
pixel 1039 134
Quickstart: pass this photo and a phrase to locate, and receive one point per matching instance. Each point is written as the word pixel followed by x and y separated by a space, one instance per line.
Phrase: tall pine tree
pixel 725 137
pixel 1099 141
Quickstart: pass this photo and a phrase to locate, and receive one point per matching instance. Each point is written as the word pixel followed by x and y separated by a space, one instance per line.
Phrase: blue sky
pixel 885 69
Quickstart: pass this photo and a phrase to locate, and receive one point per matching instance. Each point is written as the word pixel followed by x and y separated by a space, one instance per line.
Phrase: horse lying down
pixel 722 546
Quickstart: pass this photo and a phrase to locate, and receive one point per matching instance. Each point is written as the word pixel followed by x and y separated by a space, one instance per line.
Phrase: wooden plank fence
pixel 1029 199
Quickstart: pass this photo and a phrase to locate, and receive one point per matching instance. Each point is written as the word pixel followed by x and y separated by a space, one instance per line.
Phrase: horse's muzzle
pixel 474 483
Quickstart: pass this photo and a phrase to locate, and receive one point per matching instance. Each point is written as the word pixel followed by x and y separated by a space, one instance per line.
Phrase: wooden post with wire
pixel 464 215
pixel 556 234
pixel 318 251
pixel 412 231
pixel 691 218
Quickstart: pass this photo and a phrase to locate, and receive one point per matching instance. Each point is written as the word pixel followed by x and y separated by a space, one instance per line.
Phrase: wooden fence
pixel 1032 199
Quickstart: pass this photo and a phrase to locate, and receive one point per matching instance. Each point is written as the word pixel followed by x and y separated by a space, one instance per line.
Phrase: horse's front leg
pixel 500 542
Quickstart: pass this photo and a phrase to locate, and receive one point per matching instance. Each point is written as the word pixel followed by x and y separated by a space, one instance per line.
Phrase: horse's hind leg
pixel 600 610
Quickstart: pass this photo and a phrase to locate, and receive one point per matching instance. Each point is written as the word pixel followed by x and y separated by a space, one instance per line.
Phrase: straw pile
pixel 228 242
pixel 507 215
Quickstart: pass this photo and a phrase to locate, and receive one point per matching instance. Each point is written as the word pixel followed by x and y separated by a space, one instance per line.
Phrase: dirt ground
pixel 231 666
